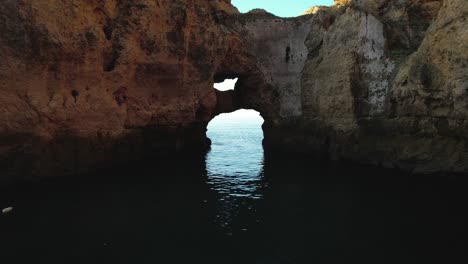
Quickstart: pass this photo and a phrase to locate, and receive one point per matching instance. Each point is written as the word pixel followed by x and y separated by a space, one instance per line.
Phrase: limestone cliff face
pixel 385 84
pixel 85 82
pixel 381 82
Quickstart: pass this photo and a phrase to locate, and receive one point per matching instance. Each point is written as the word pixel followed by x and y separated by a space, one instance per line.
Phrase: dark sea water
pixel 237 206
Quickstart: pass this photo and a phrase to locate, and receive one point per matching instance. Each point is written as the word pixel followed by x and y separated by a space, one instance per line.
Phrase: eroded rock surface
pixel 372 81
pixel 89 81
pixel 382 83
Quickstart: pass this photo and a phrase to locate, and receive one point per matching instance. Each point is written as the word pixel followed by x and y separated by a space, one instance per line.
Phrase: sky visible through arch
pixel 281 8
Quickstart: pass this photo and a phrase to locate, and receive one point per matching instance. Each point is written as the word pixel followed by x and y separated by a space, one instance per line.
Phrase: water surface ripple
pixel 235 162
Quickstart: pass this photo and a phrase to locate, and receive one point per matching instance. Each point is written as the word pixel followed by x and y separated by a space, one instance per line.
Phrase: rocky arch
pixel 339 81
pixel 248 93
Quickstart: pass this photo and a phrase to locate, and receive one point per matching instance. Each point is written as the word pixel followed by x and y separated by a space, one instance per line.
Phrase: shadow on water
pixel 237 209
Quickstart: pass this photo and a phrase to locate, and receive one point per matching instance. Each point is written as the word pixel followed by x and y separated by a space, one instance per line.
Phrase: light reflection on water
pixel 235 161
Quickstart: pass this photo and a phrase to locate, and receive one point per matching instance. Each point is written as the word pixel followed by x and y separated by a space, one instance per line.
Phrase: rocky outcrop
pixel 381 85
pixel 83 82
pixel 90 82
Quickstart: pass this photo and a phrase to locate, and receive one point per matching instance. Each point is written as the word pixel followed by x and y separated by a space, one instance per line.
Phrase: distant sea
pixel 235 162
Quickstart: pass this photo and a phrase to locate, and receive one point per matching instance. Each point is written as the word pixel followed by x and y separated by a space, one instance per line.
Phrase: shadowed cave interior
pixel 120 147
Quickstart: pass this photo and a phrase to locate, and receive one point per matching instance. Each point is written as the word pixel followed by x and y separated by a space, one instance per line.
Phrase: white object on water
pixel 7 210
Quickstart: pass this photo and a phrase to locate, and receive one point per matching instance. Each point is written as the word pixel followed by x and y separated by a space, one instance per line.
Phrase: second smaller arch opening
pixel 226 85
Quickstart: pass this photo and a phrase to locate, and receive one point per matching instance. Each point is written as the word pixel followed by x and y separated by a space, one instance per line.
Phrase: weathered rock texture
pixel 385 83
pixel 88 81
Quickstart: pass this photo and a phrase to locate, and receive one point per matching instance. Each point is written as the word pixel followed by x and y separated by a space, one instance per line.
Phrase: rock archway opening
pixel 227 99
pixel 233 120
pixel 235 160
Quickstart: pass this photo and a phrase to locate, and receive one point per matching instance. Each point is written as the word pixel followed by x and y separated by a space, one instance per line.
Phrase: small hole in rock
pixel 288 53
pixel 108 30
pixel 109 63
pixel 75 95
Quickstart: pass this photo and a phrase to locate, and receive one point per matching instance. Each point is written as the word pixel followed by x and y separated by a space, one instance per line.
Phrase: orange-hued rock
pixel 112 65
pixel 96 69
pixel 91 81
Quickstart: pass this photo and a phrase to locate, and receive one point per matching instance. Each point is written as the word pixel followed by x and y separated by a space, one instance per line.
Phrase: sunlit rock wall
pixel 279 46
pixel 384 85
pixel 85 82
